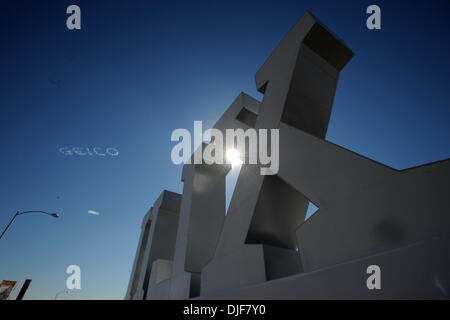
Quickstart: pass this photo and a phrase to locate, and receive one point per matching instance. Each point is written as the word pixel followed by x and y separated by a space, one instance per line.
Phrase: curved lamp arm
pixel 54 215
pixel 60 292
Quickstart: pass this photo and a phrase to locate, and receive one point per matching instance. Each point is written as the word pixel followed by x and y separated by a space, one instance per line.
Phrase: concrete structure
pixel 369 214
pixel 203 211
pixel 153 263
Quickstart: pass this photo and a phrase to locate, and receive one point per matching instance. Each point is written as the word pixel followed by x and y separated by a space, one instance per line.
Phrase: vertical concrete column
pixel 137 265
pixel 161 239
pixel 203 206
pixel 201 221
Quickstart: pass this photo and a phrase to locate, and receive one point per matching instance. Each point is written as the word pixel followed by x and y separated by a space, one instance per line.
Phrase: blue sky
pixel 137 70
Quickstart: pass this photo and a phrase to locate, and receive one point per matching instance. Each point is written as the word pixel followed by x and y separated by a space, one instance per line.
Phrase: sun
pixel 233 157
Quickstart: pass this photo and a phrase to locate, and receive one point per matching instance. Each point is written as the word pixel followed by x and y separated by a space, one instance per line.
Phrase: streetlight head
pixel 55 215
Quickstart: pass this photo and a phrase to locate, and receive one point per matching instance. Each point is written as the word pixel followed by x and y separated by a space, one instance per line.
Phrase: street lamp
pixel 58 293
pixel 54 215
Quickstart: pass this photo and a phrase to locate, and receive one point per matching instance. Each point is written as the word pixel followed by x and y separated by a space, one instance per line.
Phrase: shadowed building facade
pixel 369 214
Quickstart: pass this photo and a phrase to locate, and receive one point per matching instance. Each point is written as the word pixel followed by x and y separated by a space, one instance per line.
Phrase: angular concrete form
pixel 138 266
pixel 416 271
pixel 157 243
pixel 203 210
pixel 298 81
pixel 369 214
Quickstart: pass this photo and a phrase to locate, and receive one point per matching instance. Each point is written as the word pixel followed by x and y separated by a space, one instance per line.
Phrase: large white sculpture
pixel 369 214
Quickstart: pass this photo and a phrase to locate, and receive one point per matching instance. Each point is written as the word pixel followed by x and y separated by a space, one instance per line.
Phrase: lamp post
pixel 54 215
pixel 60 292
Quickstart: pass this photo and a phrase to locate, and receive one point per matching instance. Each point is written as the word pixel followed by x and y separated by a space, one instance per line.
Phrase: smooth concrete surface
pixel 203 210
pixel 201 218
pixel 160 242
pixel 159 283
pixel 416 271
pixel 138 261
pixel 364 206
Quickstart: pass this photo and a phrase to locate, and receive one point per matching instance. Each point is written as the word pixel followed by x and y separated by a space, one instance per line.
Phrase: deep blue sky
pixel 137 70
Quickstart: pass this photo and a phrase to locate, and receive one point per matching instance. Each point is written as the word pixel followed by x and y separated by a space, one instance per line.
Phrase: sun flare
pixel 233 157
